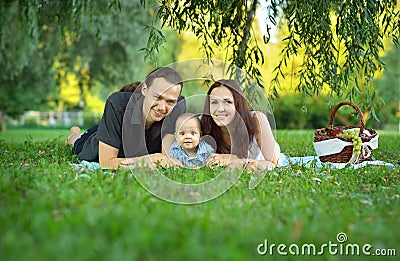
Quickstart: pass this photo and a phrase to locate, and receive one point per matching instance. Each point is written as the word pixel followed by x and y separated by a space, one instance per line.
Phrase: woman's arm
pixel 266 140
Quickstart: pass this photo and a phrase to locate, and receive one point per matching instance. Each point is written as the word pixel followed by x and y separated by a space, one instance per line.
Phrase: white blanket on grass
pixel 313 161
pixel 84 165
pixel 309 161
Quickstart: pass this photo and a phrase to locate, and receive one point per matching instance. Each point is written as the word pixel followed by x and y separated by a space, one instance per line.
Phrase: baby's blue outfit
pixel 203 151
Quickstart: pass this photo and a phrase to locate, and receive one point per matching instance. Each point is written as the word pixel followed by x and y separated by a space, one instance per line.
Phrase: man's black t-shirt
pixel 122 126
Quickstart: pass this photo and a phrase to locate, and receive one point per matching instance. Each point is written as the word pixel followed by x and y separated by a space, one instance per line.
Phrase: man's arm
pixel 156 159
pixel 108 156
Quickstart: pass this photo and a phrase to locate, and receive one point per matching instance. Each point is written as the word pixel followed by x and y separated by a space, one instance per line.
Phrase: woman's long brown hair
pixel 242 129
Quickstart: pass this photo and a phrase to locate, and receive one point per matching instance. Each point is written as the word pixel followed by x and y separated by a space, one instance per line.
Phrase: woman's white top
pixel 255 151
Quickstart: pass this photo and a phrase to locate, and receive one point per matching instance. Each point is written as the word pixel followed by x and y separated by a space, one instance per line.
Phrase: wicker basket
pixel 331 133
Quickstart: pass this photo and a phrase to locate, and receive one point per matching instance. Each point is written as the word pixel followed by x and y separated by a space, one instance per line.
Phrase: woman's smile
pixel 222 107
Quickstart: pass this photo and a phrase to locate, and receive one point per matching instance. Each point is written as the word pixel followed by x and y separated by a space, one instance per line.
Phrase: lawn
pixel 49 211
pixel 36 134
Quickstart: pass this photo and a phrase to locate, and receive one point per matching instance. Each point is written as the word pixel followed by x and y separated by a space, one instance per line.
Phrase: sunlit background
pixel 66 76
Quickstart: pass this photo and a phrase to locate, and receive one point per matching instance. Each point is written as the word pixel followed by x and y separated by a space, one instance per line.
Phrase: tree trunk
pixel 3 122
pixel 246 34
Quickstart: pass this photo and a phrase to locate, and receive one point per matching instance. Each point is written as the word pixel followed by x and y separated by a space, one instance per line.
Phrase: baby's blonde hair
pixel 183 118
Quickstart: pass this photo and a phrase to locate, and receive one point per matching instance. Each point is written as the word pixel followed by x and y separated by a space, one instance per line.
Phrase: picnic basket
pixel 331 132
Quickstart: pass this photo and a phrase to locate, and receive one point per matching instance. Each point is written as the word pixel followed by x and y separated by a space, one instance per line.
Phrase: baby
pixel 188 148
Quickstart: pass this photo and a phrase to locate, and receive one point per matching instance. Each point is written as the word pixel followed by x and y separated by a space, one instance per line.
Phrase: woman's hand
pixel 167 161
pixel 260 165
pixel 230 160
pixel 233 162
pixel 221 159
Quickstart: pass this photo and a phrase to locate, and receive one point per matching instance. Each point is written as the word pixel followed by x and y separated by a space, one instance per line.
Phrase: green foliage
pixel 28 90
pixel 388 89
pixel 104 35
pixel 112 47
pixel 22 21
pixel 214 23
pixel 338 50
pixel 341 40
pixel 298 111
pixel 27 80
pixel 51 211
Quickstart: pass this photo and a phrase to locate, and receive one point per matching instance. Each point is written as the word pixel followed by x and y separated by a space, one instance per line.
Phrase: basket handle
pixel 360 115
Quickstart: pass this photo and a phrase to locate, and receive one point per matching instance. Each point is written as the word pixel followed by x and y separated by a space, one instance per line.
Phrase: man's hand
pixel 152 161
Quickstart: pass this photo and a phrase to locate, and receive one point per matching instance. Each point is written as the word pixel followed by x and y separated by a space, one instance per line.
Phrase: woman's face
pixel 222 107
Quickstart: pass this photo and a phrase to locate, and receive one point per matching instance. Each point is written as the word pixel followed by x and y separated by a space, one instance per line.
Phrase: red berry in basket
pixel 337 132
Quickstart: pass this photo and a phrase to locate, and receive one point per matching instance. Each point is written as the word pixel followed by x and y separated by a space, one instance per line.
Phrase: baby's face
pixel 188 135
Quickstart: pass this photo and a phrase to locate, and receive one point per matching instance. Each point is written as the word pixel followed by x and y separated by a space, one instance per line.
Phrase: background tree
pixel 26 78
pixel 388 88
pixel 341 40
pixel 92 46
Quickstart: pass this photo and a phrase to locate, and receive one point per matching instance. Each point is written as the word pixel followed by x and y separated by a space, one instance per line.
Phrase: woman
pixel 243 137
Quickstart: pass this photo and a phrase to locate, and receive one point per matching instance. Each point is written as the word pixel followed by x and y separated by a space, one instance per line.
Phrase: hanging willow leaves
pixel 341 39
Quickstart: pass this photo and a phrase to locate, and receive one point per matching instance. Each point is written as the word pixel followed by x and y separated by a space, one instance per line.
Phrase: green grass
pixel 37 134
pixel 48 211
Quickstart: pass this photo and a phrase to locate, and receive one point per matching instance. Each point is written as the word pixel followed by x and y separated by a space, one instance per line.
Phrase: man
pixel 75 131
pixel 135 125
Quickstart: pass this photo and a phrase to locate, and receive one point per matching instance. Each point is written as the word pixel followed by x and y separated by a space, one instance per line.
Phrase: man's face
pixel 159 99
pixel 188 134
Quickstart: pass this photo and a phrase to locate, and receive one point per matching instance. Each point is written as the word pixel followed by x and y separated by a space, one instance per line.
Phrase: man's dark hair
pixel 169 74
pixel 130 87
